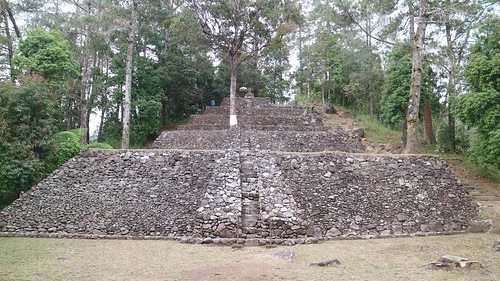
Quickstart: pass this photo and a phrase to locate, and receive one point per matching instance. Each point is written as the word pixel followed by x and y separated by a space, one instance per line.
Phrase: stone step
pixel 249 230
pixel 248 174
pixel 251 195
pixel 249 221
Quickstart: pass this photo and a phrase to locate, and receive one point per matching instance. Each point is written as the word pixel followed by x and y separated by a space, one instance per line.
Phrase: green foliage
pixel 481 107
pixel 66 136
pixel 377 131
pixel 26 129
pixel 483 66
pixel 482 110
pixel 147 122
pixel 99 145
pixel 462 138
pixel 47 54
pixel 396 88
pixel 67 146
pixel 397 85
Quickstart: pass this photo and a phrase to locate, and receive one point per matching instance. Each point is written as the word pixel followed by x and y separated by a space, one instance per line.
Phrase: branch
pixel 351 17
pixel 13 20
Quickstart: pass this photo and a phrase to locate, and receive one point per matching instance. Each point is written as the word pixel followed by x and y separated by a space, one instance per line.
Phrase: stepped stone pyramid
pixel 280 177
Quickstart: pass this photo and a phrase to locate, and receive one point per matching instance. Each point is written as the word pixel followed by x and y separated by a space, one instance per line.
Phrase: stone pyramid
pixel 280 177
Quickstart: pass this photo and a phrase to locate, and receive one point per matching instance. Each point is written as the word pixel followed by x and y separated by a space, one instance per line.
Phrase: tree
pixel 6 16
pixel 412 144
pixel 46 53
pixel 128 76
pixel 394 104
pixel 455 21
pixel 481 106
pixel 343 32
pixel 26 129
pixel 242 28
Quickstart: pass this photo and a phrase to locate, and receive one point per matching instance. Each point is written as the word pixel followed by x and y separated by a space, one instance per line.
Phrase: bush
pixel 66 136
pixel 67 146
pixel 99 145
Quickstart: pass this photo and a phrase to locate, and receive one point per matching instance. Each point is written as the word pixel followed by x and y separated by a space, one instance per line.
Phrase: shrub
pixel 67 146
pixel 100 145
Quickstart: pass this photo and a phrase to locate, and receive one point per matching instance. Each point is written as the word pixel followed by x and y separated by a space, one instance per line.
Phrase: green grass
pixel 381 259
pixel 486 171
pixel 461 160
pixel 378 132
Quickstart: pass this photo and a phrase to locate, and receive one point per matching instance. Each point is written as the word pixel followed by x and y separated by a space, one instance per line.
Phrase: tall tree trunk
pixel 429 131
pixel 451 88
pixel 412 144
pixel 84 120
pixel 69 111
pixel 101 123
pixel 85 87
pixel 13 20
pixel 164 112
pixel 233 121
pixel 128 77
pixel 411 14
pixel 10 48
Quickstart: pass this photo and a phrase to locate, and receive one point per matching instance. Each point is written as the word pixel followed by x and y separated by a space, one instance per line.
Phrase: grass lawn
pixel 380 259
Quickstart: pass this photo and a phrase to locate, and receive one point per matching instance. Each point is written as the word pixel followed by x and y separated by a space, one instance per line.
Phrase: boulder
pixel 329 109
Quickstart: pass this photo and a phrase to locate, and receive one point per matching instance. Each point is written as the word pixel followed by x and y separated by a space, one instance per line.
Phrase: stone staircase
pixel 250 207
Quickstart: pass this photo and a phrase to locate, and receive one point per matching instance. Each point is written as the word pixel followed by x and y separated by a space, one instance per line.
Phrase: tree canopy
pixel 48 54
pixel 480 107
pixel 26 128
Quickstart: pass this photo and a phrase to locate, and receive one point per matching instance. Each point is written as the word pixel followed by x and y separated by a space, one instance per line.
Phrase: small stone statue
pixel 246 92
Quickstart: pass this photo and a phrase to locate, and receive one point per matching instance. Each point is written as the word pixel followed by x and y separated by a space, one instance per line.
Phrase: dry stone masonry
pixel 257 184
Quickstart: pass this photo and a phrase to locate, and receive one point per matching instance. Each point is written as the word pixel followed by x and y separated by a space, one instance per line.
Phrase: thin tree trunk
pixel 233 121
pixel 10 48
pixel 164 112
pixel 85 87
pixel 429 131
pixel 101 122
pixel 405 134
pixel 451 88
pixel 412 143
pixel 128 77
pixel 69 111
pixel 84 98
pixel 13 20
pixel 411 14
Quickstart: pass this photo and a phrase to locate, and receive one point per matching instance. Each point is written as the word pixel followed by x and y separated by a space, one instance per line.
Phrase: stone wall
pixel 256 114
pixel 198 139
pixel 358 195
pixel 132 193
pixel 196 196
pixel 296 141
pixel 291 141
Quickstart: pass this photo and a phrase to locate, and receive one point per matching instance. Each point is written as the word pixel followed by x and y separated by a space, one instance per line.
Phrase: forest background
pixel 427 68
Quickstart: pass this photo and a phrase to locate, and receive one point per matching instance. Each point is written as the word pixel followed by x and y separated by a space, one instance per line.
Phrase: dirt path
pixel 250 264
